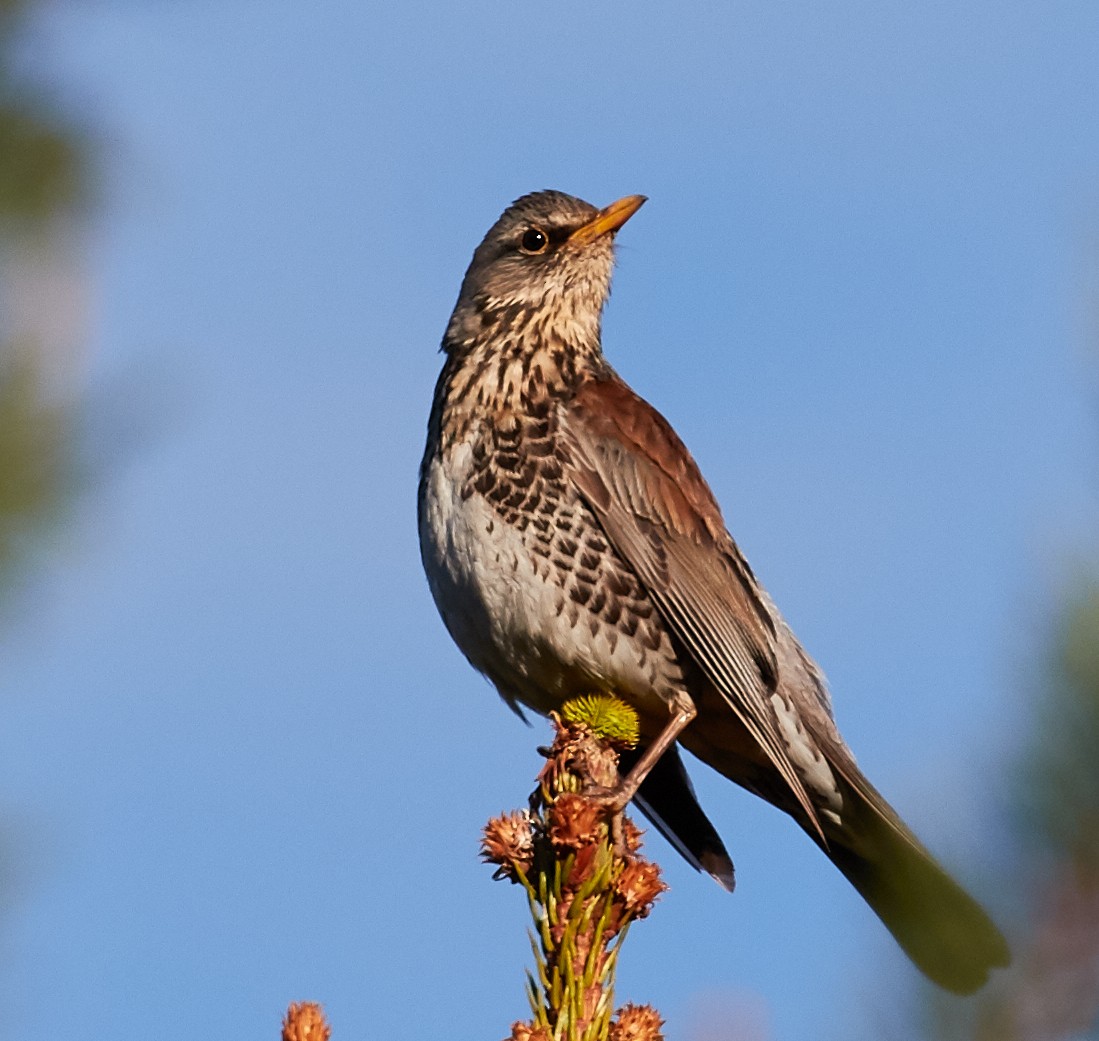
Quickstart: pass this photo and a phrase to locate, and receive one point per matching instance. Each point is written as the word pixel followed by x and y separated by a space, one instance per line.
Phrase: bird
pixel 572 546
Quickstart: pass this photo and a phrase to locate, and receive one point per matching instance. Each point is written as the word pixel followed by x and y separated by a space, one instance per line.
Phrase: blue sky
pixel 247 765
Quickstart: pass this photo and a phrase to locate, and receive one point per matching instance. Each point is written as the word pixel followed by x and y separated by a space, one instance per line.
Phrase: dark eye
pixel 534 240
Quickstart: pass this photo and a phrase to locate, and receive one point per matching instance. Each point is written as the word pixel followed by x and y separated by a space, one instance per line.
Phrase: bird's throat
pixel 519 370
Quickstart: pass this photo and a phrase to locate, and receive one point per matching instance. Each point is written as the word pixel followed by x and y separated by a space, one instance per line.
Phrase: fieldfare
pixel 573 546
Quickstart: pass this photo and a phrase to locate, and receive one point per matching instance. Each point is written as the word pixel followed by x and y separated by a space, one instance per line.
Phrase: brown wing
pixel 660 515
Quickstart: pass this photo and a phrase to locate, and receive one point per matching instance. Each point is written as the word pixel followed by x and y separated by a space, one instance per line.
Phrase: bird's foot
pixel 613 801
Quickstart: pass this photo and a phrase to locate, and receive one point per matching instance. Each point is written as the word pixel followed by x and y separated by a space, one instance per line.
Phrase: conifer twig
pixel 584 879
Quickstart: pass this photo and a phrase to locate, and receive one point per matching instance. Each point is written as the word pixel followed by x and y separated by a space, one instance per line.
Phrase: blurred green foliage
pixel 42 154
pixel 43 176
pixel 40 168
pixel 36 435
pixel 1059 793
pixel 1051 991
pixel 43 164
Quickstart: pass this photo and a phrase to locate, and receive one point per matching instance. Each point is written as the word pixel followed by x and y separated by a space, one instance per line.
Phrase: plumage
pixel 573 546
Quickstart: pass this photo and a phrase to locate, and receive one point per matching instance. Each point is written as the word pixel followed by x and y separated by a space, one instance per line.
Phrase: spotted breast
pixel 526 582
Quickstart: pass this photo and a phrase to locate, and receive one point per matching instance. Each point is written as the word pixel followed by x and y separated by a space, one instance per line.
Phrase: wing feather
pixel 659 514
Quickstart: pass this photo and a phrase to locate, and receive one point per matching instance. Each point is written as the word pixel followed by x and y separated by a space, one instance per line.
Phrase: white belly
pixel 514 624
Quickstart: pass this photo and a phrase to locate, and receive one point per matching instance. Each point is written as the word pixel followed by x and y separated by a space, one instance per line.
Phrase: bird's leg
pixel 683 711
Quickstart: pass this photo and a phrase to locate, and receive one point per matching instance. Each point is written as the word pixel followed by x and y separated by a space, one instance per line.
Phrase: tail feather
pixel 940 926
pixel 668 799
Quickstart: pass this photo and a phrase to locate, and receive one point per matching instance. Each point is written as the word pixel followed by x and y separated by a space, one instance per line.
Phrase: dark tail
pixel 668 799
pixel 939 925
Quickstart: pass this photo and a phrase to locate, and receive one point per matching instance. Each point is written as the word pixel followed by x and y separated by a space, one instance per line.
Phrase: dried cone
pixel 575 821
pixel 638 886
pixel 305 1022
pixel 508 842
pixel 637 1023
pixel 527 1032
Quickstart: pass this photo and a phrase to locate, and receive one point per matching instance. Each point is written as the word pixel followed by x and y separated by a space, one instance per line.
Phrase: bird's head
pixel 543 268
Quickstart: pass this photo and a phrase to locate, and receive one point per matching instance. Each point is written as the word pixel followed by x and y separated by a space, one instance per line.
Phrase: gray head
pixel 547 260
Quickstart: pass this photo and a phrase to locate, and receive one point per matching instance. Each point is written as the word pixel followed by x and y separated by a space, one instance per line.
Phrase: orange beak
pixel 608 220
